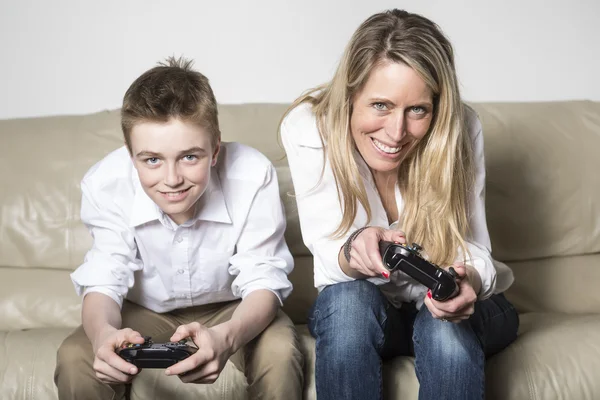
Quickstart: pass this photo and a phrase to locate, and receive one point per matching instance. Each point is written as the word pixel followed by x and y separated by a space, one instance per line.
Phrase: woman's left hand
pixel 462 306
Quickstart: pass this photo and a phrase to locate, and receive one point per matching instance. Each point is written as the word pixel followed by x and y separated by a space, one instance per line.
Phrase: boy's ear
pixel 215 155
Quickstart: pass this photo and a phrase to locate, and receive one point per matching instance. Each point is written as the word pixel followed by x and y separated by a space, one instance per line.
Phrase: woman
pixel 387 147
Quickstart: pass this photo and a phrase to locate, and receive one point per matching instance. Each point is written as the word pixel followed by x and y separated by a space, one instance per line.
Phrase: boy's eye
pixel 190 157
pixel 152 161
pixel 379 106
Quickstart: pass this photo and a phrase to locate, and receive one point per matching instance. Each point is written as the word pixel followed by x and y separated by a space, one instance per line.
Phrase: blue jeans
pixel 356 328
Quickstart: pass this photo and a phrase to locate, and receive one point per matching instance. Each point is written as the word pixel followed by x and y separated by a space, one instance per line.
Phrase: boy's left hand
pixel 206 364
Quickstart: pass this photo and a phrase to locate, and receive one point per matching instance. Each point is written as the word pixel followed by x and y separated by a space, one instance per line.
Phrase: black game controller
pixel 156 355
pixel 408 259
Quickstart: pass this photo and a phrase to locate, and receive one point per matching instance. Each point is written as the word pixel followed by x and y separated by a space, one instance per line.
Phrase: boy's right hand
pixel 365 258
pixel 109 367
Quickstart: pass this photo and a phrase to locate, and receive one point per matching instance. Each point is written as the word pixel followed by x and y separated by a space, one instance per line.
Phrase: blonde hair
pixel 436 176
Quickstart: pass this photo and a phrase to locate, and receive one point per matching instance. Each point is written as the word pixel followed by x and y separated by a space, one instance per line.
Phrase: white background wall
pixel 78 56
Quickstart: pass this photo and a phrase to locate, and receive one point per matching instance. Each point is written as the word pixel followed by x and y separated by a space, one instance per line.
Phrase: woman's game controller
pixel 408 259
pixel 156 355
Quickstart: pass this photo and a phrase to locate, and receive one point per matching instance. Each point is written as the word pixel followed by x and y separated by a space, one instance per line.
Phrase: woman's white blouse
pixel 320 211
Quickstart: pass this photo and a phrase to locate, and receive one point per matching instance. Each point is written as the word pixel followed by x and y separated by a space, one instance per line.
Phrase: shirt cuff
pixel 247 290
pixel 487 273
pixel 106 291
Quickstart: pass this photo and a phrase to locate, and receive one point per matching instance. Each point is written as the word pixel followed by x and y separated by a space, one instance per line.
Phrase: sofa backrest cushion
pixel 543 178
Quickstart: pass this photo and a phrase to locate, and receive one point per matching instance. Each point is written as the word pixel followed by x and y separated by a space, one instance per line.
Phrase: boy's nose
pixel 173 178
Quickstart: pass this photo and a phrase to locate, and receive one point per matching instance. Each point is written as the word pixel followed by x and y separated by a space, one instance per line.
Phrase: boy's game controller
pixel 408 259
pixel 156 355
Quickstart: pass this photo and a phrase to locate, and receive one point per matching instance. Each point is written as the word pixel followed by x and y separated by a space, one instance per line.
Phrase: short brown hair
pixel 170 90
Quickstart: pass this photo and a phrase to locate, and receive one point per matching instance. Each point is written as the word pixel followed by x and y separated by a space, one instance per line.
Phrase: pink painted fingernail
pixel 429 294
pixel 385 274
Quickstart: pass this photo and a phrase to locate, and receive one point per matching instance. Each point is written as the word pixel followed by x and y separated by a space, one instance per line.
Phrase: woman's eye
pixel 152 161
pixel 379 106
pixel 190 158
pixel 418 110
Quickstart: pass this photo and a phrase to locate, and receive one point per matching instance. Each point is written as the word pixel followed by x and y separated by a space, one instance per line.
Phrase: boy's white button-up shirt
pixel 320 211
pixel 232 246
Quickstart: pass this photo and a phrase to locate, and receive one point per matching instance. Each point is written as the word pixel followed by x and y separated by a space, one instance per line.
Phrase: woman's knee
pixel 349 314
pixel 444 342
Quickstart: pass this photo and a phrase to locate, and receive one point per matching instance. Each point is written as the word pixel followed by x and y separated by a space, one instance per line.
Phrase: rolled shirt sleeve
pixel 110 264
pixel 262 259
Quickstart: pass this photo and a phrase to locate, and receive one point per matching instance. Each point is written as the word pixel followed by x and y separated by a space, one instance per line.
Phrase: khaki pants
pixel 272 362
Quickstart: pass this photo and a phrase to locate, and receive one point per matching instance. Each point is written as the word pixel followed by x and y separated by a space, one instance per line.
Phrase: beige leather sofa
pixel 543 205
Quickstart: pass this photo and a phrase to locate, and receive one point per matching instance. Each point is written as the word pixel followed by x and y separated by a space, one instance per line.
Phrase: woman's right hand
pixel 365 258
pixel 108 365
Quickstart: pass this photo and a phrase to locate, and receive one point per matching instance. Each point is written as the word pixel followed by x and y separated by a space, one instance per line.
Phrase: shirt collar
pixel 143 208
pixel 210 207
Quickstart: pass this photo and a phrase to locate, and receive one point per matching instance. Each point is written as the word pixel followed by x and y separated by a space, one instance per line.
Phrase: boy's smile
pixel 173 160
pixel 176 196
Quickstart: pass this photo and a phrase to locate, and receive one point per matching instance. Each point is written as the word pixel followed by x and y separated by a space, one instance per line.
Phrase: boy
pixel 184 226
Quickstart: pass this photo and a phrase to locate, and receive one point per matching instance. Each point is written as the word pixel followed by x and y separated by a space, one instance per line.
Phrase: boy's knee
pixel 278 345
pixel 74 357
pixel 275 363
pixel 67 357
pixel 287 345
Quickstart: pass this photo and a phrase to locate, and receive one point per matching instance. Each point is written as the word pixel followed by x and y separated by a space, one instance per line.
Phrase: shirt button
pixel 179 239
pixel 180 271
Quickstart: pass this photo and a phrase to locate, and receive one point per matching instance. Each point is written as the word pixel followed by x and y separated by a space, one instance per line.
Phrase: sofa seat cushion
pixel 556 356
pixel 27 361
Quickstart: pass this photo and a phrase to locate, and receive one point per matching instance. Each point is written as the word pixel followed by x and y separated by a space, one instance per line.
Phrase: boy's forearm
pixel 100 315
pixel 250 318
